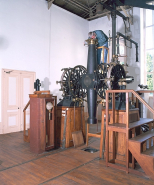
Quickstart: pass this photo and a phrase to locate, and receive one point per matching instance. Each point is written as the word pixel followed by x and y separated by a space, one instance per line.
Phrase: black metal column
pixel 91 92
pixel 113 15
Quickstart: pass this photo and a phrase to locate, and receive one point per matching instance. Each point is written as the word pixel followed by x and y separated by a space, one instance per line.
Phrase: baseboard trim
pixel 1 128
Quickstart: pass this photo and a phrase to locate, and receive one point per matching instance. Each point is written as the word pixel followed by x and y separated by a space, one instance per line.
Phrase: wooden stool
pixel 98 135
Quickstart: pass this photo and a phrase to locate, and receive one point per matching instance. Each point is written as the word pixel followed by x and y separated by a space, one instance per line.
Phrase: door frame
pixel 3 97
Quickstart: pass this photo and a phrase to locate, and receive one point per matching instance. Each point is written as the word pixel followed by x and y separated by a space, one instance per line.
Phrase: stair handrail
pixel 26 106
pixel 142 100
pixel 136 94
pixel 127 91
pixel 26 138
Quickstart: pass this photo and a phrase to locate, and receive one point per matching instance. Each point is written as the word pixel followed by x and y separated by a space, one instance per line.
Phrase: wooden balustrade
pixel 123 128
pixel 27 136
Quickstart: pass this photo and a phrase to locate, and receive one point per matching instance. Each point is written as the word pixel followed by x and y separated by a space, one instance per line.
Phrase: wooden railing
pixel 145 91
pixel 134 94
pixel 42 92
pixel 117 127
pixel 27 137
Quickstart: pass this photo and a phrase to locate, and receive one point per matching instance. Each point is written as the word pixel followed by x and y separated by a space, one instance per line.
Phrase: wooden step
pixel 121 127
pixel 117 127
pixel 133 109
pixel 149 151
pixel 142 121
pixel 145 161
pixel 143 137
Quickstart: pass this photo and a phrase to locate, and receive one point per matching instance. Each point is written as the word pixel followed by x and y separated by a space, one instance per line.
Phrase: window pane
pixel 150 81
pixel 148 17
pixel 149 37
pixel 149 60
pixel 122 50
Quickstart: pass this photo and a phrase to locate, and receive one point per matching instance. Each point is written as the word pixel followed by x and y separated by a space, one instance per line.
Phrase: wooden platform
pixel 149 151
pixel 142 121
pixel 70 166
pixel 143 137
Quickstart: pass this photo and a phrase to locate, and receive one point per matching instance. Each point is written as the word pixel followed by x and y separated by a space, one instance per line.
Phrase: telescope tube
pixel 91 92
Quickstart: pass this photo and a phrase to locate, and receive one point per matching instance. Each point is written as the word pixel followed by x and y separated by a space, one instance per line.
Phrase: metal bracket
pixel 50 2
pixel 128 13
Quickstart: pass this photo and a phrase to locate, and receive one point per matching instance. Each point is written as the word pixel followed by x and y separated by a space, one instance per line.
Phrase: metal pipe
pixel 126 38
pixel 113 15
pixel 117 45
pixel 137 53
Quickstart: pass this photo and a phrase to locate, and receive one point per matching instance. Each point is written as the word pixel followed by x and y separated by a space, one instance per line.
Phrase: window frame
pixel 146 49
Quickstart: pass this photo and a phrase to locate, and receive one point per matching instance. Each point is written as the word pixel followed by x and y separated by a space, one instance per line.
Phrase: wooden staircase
pixel 142 153
pixel 139 146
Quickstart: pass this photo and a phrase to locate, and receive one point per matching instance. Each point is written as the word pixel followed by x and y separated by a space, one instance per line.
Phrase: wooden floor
pixel 71 166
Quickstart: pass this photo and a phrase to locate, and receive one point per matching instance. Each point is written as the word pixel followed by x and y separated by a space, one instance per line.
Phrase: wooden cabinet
pixel 42 123
pixel 69 119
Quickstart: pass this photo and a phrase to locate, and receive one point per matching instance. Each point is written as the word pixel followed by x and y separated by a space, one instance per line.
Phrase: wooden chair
pixel 98 135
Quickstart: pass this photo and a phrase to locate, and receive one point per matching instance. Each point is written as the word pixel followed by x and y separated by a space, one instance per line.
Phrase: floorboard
pixel 70 166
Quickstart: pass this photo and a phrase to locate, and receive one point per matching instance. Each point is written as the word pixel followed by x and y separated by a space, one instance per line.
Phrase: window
pixel 149 46
pixel 122 51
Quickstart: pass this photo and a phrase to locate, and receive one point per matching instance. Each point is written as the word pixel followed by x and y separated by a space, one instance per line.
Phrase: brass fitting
pixel 91 41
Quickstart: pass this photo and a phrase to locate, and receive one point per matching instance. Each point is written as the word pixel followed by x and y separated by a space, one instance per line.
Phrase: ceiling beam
pixel 111 9
pixel 138 3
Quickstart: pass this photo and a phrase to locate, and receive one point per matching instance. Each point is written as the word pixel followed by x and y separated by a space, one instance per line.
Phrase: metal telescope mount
pixel 78 83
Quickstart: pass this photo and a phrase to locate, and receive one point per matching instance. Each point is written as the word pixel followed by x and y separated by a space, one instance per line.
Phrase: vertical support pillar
pixel 118 44
pixel 133 159
pixel 102 136
pixel 127 132
pixel 91 92
pixel 113 15
pixel 87 137
pixel 107 132
pixel 113 132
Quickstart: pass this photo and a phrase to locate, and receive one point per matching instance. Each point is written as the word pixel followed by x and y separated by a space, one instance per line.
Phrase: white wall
pixel 68 33
pixel 33 38
pixel 24 37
